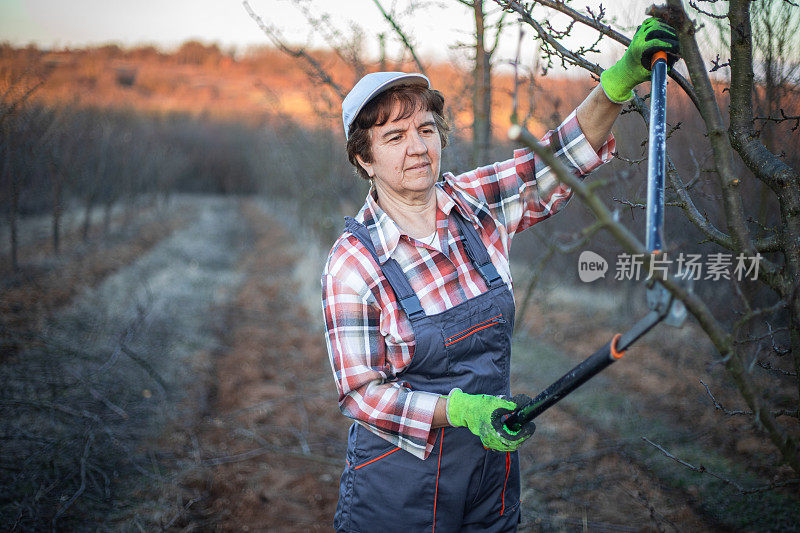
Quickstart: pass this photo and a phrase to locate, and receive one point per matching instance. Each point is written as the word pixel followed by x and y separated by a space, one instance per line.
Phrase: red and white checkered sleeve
pixel 357 353
pixel 543 195
pixel 522 191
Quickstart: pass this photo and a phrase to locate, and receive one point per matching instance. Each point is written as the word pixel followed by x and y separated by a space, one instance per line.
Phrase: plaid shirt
pixel 370 340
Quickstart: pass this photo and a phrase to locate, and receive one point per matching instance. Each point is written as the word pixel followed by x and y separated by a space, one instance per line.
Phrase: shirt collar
pixel 383 231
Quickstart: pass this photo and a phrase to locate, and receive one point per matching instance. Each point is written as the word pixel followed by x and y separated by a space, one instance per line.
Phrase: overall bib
pixel 461 486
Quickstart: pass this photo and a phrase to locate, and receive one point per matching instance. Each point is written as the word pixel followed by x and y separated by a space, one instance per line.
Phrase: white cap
pixel 371 86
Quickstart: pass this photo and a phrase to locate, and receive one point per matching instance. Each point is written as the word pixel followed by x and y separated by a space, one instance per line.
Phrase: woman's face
pixel 405 154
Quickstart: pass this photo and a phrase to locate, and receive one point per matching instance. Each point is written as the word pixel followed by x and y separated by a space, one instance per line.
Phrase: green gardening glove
pixel 634 66
pixel 480 414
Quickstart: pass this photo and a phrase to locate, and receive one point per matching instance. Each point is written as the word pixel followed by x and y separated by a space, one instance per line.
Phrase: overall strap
pixel 477 253
pixel 391 269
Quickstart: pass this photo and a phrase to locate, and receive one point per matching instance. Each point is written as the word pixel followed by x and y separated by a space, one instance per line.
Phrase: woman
pixel 418 307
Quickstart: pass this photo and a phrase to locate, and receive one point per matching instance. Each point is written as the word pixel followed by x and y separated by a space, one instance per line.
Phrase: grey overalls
pixel 461 486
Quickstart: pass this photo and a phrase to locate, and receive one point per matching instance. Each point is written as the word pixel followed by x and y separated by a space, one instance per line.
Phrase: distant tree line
pixel 58 158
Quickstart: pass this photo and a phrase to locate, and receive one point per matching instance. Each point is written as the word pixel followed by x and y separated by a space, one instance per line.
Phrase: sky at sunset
pixel 436 27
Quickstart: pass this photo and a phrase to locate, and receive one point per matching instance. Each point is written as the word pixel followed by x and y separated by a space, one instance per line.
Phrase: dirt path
pixel 272 440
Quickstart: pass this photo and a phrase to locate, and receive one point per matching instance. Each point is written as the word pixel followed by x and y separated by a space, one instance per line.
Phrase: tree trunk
pixel 382 53
pixel 12 219
pixel 107 217
pixel 87 217
pixel 481 92
pixel 57 209
pixel 783 180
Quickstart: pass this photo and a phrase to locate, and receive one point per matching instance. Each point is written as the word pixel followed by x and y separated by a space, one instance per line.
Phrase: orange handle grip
pixel 656 57
pixel 616 354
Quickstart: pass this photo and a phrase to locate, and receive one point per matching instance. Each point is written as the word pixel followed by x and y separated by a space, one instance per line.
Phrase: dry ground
pixel 47 283
pixel 260 442
pixel 270 444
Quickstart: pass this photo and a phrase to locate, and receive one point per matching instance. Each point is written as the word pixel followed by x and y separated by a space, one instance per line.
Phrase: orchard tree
pixel 16 89
pixel 763 332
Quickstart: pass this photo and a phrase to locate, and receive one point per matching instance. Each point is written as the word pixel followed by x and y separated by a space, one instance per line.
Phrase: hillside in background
pixel 203 81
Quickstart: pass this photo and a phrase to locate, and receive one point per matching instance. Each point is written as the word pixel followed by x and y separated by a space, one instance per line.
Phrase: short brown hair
pixel 377 113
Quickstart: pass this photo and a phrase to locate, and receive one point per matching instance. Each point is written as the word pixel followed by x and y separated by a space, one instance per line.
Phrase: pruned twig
pixel 251 454
pixel 146 366
pixel 183 510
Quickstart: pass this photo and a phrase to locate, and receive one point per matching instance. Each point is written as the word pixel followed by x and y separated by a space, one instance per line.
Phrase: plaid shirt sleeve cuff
pixel 548 195
pixel 571 148
pixel 421 440
pixel 583 158
pixel 430 400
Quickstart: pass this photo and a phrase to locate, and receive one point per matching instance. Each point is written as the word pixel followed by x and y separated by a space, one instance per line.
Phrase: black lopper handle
pixel 566 384
pixel 591 366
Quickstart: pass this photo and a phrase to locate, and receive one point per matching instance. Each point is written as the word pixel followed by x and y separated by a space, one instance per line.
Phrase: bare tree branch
pixel 784 117
pixel 706 13
pixel 497 34
pixel 703 470
pixel 604 29
pixel 299 53
pixel 548 39
pixel 718 406
pixel 700 221
pixel 347 49
pixel 403 37
pixel 766 365
pixel 146 366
